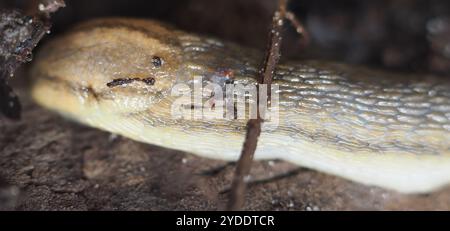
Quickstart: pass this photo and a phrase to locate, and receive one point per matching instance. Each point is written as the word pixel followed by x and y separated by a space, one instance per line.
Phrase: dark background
pixel 405 35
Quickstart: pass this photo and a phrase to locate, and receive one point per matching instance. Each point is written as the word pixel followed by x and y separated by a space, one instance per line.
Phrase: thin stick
pixel 289 173
pixel 298 26
pixel 238 186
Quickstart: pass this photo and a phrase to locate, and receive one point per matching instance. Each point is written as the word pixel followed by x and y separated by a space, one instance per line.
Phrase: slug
pixel 372 127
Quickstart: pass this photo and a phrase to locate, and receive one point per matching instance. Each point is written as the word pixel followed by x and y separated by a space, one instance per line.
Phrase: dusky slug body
pixel 369 126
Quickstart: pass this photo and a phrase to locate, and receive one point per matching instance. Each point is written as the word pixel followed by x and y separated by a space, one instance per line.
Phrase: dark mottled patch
pixel 157 61
pixel 119 82
pixel 123 81
pixel 149 81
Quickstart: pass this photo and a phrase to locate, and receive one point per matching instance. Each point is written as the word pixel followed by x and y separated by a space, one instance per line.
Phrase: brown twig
pixel 216 170
pixel 238 186
pixel 284 175
pixel 298 26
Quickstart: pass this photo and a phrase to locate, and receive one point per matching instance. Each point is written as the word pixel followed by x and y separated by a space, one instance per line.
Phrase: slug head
pixel 108 65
